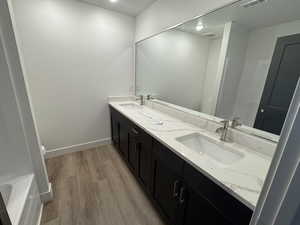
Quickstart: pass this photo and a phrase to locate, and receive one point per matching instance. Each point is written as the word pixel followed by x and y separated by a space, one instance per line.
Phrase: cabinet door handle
pixel 182 195
pixel 134 131
pixel 176 189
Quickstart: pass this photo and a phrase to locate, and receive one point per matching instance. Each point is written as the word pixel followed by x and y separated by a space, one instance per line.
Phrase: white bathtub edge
pixel 40 215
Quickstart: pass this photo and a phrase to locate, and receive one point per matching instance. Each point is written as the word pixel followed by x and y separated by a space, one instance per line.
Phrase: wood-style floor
pixel 95 187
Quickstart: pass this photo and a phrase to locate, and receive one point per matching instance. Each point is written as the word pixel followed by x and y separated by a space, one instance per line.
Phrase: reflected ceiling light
pixel 199 27
pixel 113 1
pixel 252 3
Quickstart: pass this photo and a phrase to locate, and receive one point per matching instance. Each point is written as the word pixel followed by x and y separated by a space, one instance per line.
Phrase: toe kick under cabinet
pixel 182 194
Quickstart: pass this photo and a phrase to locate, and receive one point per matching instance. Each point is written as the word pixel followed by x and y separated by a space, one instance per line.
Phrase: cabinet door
pixel 115 127
pixel 166 181
pixel 213 200
pixel 144 159
pixel 197 210
pixel 124 135
pixel 133 146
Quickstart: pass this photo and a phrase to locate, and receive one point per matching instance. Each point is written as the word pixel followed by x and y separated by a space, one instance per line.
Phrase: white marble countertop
pixel 242 179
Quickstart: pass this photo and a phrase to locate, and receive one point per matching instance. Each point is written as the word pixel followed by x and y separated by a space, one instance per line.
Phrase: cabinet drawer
pixel 231 208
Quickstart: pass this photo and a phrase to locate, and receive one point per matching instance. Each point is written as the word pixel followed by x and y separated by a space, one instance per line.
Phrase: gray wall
pixel 75 56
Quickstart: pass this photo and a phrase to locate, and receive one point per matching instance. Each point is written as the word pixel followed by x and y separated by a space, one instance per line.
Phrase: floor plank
pixel 95 187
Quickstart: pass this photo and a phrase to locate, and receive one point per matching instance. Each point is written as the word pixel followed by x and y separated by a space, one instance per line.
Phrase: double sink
pixel 198 143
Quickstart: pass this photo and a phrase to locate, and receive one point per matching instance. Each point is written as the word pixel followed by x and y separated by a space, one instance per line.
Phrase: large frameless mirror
pixel 242 60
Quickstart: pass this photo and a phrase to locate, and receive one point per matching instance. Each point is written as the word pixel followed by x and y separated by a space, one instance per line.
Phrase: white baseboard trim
pixel 47 196
pixel 76 148
pixel 39 221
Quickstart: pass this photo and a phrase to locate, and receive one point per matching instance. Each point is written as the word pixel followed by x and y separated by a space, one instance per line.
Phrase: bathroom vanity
pixel 187 172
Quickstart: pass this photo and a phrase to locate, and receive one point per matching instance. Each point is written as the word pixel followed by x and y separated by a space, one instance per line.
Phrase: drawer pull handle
pixel 134 131
pixel 182 195
pixel 176 189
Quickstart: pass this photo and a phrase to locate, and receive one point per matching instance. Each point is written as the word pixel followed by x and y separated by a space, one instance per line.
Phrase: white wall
pixel 211 76
pixel 166 13
pixel 75 56
pixel 172 66
pixel 259 54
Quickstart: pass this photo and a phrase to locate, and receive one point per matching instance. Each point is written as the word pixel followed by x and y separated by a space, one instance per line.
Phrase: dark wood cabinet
pixel 140 155
pixel 167 181
pixel 182 194
pixel 214 199
pixel 115 127
pixel 197 208
pixel 134 146
pixel 123 136
pixel 144 161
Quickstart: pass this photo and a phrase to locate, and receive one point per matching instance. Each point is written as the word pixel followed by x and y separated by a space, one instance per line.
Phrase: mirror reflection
pixel 240 61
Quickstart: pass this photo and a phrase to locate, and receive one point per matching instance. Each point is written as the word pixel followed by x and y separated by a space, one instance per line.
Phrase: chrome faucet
pixel 224 131
pixel 236 122
pixel 142 99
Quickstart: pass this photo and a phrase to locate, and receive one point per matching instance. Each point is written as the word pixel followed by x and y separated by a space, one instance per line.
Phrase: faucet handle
pixel 236 122
pixel 150 97
pixel 225 121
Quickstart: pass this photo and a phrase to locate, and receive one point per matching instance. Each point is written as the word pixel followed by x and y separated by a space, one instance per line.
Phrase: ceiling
pixel 268 13
pixel 129 7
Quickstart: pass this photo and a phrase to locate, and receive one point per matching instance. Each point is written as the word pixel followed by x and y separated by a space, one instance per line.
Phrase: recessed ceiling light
pixel 199 27
pixel 113 1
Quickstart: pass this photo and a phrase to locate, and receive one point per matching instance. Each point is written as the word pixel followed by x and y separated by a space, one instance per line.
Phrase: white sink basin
pixel 201 145
pixel 131 106
pixel 142 112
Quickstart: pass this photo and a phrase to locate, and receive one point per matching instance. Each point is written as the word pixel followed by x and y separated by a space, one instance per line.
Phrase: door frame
pixel 277 203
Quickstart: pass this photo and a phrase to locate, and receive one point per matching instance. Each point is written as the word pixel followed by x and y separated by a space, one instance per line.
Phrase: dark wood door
pixel 197 208
pixel 144 159
pixel 133 148
pixel 123 136
pixel 115 127
pixel 208 202
pixel 280 85
pixel 167 182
